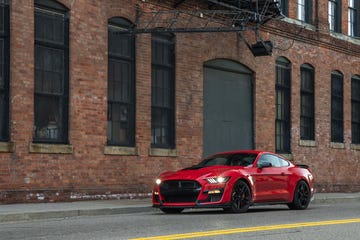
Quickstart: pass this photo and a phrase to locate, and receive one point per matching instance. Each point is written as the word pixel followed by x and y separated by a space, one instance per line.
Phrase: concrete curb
pixel 28 216
pixel 41 211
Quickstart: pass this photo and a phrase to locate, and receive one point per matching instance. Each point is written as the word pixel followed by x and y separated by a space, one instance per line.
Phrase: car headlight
pixel 158 181
pixel 215 180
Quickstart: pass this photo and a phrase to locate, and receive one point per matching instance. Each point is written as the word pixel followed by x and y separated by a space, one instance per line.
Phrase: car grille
pixel 180 191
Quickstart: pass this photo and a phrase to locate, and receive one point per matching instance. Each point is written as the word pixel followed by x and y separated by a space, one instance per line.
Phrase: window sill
pixel 163 152
pixel 337 145
pixel 117 150
pixel 7 147
pixel 51 148
pixel 355 146
pixel 308 143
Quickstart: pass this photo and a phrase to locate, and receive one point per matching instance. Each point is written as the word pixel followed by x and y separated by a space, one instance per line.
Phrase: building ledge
pixel 51 148
pixel 338 145
pixel 117 150
pixel 308 143
pixel 163 152
pixel 7 147
pixel 355 146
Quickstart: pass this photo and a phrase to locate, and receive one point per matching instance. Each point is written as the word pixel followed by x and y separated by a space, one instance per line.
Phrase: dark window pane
pixel 49 26
pixel 337 108
pixel 282 104
pixel 2 55
pixel 49 70
pixel 51 75
pixel 4 69
pixel 121 84
pixel 48 121
pixel 355 110
pixel 162 91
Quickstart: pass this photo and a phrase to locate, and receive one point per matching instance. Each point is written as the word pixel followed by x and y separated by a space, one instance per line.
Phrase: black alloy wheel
pixel 240 198
pixel 302 196
pixel 172 210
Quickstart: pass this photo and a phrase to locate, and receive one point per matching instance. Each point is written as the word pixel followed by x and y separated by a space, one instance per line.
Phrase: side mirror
pixel 264 165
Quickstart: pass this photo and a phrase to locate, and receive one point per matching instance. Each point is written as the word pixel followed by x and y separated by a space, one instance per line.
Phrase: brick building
pixel 91 110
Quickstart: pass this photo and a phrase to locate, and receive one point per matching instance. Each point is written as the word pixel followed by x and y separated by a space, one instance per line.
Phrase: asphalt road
pixel 320 222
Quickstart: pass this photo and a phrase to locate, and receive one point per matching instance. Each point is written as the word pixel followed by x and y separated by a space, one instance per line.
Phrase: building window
pixel 304 11
pixel 337 112
pixel 353 18
pixel 51 72
pixel 334 12
pixel 163 91
pixel 121 84
pixel 284 6
pixel 355 109
pixel 4 69
pixel 283 103
pixel 307 114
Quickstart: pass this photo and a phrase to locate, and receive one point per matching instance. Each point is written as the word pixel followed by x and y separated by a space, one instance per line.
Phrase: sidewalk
pixel 36 211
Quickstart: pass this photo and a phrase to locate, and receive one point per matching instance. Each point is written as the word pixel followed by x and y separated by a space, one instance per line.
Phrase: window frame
pixel 55 132
pixel 353 18
pixel 337 107
pixel 125 99
pixel 165 130
pixel 283 107
pixel 355 110
pixel 304 11
pixel 284 6
pixel 307 108
pixel 5 65
pixel 334 15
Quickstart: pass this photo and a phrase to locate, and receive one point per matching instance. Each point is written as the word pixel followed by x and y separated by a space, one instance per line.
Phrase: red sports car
pixel 235 181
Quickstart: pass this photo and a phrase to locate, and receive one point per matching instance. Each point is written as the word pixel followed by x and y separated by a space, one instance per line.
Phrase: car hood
pixel 194 174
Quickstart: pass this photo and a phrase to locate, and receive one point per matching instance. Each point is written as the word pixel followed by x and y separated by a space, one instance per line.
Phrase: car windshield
pixel 237 159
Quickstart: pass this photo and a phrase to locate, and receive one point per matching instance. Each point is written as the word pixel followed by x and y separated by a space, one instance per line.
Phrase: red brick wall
pixel 88 173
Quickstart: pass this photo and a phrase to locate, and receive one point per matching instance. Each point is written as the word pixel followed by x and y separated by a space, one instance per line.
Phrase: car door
pixel 271 181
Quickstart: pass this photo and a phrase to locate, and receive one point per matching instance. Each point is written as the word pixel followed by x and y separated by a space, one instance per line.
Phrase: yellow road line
pixel 250 229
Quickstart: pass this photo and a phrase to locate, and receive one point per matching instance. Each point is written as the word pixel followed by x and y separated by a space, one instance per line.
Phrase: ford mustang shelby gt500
pixel 234 181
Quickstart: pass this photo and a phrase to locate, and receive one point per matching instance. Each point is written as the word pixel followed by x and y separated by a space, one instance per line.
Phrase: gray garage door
pixel 228 107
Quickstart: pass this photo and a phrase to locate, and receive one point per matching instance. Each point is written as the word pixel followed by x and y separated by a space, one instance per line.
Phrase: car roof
pixel 241 151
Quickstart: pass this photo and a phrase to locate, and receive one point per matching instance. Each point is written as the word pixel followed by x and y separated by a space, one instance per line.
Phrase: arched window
pixel 51 72
pixel 337 107
pixel 355 109
pixel 163 90
pixel 121 83
pixel 4 69
pixel 307 113
pixel 282 105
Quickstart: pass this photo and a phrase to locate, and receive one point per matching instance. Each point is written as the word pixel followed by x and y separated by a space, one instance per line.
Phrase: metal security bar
pixel 213 16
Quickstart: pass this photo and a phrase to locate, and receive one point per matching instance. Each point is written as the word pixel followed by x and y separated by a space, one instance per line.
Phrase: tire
pixel 302 196
pixel 240 198
pixel 172 210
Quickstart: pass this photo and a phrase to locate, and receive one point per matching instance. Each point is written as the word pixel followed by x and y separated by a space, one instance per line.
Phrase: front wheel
pixel 302 196
pixel 240 198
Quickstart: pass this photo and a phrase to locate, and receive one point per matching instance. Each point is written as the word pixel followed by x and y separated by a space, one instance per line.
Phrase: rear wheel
pixel 240 198
pixel 302 196
pixel 172 210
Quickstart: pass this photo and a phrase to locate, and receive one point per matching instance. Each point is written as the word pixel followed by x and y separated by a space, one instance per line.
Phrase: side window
pixel 270 159
pixel 4 70
pixel 283 163
pixel 121 84
pixel 51 72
